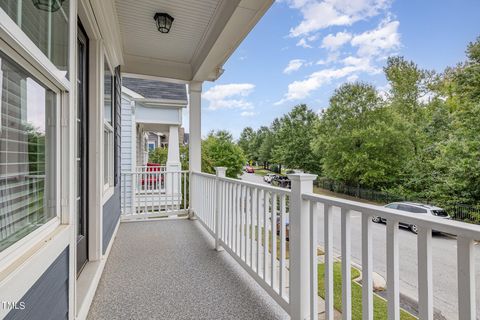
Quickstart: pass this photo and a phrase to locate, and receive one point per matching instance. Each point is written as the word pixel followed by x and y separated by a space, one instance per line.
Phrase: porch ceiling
pixel 203 35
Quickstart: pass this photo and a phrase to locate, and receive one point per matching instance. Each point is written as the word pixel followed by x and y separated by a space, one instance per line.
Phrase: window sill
pixel 24 245
pixel 108 193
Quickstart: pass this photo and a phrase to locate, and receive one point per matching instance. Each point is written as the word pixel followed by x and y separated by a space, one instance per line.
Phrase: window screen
pixel 27 134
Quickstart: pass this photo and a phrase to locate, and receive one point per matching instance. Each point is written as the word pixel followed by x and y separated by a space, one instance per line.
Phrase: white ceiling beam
pixel 244 18
pixel 142 66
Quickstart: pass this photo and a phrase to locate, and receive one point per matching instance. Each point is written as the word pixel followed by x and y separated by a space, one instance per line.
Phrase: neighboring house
pixel 67 132
pixel 154 112
pixel 152 118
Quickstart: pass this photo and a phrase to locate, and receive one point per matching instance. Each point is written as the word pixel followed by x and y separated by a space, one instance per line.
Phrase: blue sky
pixel 301 50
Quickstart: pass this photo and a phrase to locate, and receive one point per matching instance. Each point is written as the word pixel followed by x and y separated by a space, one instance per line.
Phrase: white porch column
pixel 173 162
pixel 299 281
pixel 173 157
pixel 195 126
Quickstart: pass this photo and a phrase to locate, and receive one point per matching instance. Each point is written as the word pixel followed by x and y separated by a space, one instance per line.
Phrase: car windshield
pixel 440 213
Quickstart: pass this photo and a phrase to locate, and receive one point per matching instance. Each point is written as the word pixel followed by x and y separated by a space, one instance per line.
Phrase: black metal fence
pixel 464 213
pixel 459 212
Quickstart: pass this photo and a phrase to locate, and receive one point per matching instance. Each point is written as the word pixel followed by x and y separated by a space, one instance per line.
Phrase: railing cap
pixel 302 176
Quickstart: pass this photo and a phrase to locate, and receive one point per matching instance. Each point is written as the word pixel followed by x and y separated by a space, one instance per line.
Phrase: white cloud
pixel 362 63
pixel 332 57
pixel 229 96
pixel 293 65
pixel 333 42
pixel 248 114
pixel 301 89
pixel 320 14
pixel 383 39
pixel 352 78
pixel 303 43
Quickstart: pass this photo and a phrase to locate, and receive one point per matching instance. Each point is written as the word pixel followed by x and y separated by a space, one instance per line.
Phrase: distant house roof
pixel 153 89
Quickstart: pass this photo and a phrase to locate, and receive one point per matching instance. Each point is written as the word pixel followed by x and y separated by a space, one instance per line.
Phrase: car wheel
pixel 377 219
pixel 414 228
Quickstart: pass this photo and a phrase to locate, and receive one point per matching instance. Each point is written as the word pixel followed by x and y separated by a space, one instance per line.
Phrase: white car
pixel 413 207
pixel 269 177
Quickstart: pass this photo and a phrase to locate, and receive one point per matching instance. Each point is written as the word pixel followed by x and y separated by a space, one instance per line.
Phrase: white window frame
pixel 19 248
pixel 22 44
pixel 109 133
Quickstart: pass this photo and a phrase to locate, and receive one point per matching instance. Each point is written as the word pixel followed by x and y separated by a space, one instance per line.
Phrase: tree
pixel 246 142
pixel 160 156
pixel 458 163
pixel 293 134
pixel 359 140
pixel 266 147
pixel 219 150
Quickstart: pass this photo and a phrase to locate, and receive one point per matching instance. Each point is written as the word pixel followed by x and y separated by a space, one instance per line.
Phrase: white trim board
pixel 88 281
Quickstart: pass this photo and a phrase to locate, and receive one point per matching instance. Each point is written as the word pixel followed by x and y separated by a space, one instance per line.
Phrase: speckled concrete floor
pixel 169 270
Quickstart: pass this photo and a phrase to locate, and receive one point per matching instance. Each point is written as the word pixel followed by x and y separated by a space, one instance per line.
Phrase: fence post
pixel 220 173
pixel 299 246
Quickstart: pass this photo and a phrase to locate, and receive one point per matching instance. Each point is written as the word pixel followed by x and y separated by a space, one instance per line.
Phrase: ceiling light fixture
pixel 48 5
pixel 164 22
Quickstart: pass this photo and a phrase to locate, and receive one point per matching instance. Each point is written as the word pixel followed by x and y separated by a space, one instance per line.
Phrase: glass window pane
pixel 46 25
pixel 108 80
pixel 27 164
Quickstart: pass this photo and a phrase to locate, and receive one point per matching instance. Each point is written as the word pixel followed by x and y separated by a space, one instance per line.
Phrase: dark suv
pixel 414 208
pixel 281 181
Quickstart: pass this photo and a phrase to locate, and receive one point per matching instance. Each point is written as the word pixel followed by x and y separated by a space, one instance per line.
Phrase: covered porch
pixel 234 259
pixel 170 270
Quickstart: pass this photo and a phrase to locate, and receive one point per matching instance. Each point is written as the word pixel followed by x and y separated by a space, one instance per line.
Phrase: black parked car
pixel 281 181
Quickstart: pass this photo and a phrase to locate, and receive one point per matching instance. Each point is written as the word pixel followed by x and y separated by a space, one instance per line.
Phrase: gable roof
pixel 154 89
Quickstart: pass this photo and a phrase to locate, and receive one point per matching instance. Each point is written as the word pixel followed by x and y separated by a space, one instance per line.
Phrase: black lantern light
pixel 48 5
pixel 164 22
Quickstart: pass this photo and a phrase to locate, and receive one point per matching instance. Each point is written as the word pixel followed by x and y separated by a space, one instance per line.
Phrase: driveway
pixel 444 259
pixel 252 177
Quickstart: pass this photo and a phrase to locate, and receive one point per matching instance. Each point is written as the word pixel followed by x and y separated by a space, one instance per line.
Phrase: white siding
pixel 127 150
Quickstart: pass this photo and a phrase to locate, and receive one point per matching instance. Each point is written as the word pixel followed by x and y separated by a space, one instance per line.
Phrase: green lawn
pixel 261 172
pixel 379 305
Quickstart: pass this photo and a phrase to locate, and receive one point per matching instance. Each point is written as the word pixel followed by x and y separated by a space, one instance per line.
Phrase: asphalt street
pixel 444 259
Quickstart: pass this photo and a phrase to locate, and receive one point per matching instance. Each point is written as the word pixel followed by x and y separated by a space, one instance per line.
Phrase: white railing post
pixel 466 278
pixel 220 173
pixel 299 281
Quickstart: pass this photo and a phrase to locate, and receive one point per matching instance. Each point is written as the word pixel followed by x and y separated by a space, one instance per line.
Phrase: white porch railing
pixel 237 213
pixel 148 194
pixel 243 218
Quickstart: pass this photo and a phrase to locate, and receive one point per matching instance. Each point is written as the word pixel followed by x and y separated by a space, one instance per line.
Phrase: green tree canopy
pixel 219 150
pixel 293 134
pixel 359 140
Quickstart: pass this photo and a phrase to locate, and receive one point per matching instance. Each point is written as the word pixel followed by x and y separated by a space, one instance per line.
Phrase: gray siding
pixel 111 215
pixel 48 297
pixel 111 209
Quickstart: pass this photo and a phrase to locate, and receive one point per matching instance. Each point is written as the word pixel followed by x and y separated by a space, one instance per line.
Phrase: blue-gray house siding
pixel 47 299
pixel 111 209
